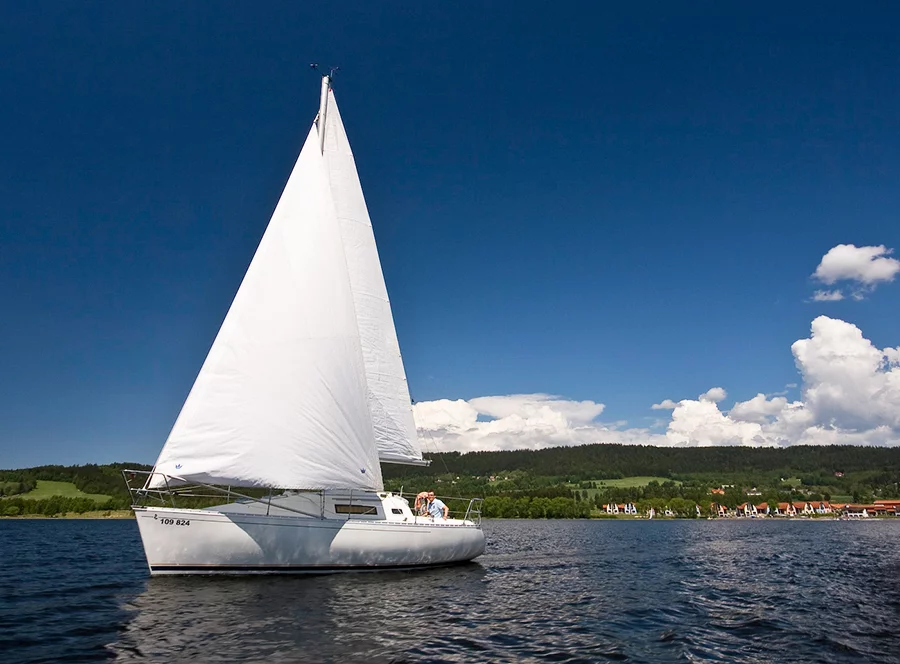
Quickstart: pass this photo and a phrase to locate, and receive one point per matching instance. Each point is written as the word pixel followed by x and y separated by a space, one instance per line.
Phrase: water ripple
pixel 565 591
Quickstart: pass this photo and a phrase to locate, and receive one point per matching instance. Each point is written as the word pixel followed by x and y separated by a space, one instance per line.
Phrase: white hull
pixel 190 541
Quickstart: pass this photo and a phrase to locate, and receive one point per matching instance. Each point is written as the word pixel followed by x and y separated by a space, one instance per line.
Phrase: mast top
pixel 331 70
pixel 323 103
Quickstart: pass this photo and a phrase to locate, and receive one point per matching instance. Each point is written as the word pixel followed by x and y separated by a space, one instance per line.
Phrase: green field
pixel 629 482
pixel 637 481
pixel 47 489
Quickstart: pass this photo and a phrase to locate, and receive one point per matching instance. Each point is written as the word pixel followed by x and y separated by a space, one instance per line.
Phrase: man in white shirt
pixel 436 507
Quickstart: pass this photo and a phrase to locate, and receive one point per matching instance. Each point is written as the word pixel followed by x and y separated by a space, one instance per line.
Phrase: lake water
pixel 545 591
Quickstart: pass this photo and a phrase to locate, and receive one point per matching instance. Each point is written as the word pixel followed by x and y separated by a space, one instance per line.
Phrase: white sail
pixel 281 399
pixel 389 401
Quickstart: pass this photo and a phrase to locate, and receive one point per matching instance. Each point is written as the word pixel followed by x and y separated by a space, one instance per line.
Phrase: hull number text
pixel 172 522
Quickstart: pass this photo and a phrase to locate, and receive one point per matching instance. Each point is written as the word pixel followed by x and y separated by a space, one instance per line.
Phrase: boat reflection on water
pixel 341 617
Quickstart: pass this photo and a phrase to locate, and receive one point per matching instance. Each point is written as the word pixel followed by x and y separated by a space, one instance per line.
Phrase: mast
pixel 388 392
pixel 323 109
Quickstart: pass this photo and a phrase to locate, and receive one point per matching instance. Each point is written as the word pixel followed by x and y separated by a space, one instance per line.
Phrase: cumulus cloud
pixel 867 265
pixel 538 406
pixel 713 395
pixel 700 422
pixel 848 382
pixel 863 267
pixel 892 355
pixel 758 409
pixel 519 421
pixel 850 394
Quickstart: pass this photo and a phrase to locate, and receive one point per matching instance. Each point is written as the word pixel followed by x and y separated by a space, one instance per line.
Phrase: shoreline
pixel 129 514
pixel 120 515
pixel 94 514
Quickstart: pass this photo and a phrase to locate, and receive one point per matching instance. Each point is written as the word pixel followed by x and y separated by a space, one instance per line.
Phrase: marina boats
pixel 302 395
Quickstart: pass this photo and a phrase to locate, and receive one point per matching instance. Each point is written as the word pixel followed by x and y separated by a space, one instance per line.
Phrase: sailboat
pixel 303 393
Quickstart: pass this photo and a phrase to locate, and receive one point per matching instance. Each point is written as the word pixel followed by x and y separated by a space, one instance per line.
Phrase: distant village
pixel 748 510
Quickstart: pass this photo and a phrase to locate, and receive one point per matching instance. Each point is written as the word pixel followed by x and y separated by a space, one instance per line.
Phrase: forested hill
pixel 605 461
pixel 54 490
pixel 526 483
pixel 91 478
pixel 585 462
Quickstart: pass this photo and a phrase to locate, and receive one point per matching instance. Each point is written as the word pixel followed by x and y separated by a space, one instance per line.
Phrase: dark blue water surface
pixel 545 591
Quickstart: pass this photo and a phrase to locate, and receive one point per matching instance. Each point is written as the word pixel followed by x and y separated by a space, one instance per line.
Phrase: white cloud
pixel 538 406
pixel 828 296
pixel 758 409
pixel 713 395
pixel 892 355
pixel 701 422
pixel 445 414
pixel 865 267
pixel 848 382
pixel 520 421
pixel 850 395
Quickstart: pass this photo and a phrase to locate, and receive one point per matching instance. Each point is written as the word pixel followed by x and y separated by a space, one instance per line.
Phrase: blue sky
pixel 613 204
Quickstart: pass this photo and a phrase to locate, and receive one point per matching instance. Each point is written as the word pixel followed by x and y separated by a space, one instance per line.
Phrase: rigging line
pixel 438 452
pixel 331 70
pixel 433 441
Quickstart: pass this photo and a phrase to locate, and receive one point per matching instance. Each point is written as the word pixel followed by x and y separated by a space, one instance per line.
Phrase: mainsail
pixel 388 393
pixel 282 400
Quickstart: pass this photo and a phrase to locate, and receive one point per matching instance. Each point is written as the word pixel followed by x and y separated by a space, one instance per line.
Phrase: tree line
pixel 613 461
pixel 103 479
pixel 54 505
pixel 16 488
pixel 562 482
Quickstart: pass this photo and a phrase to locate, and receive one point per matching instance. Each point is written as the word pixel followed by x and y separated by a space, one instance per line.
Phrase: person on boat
pixel 436 507
pixel 421 505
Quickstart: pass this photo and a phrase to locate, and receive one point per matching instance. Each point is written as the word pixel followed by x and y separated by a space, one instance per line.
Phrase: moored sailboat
pixel 303 391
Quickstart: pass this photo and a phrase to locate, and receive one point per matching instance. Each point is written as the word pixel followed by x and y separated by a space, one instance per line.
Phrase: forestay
pixel 388 393
pixel 281 399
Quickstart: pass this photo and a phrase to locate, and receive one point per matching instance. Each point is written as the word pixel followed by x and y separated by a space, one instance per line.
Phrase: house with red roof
pixel 785 509
pixel 620 508
pixel 821 506
pixel 746 509
pixel 803 508
pixel 719 510
pixel 857 511
pixel 893 506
